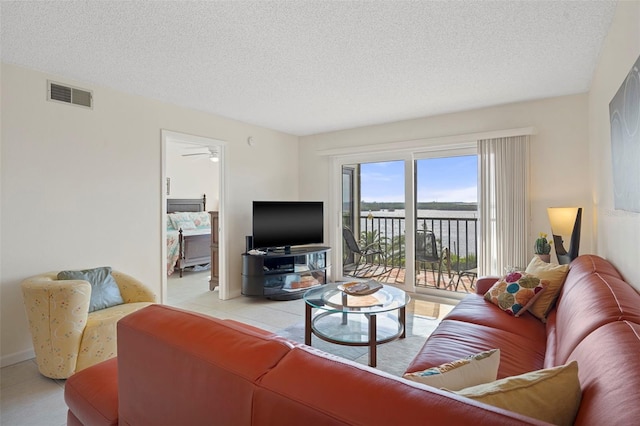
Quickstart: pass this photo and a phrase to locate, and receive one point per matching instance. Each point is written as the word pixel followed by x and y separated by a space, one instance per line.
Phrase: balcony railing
pixel 458 235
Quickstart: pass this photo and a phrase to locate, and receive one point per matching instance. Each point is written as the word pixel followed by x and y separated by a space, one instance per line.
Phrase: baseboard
pixel 234 293
pixel 17 357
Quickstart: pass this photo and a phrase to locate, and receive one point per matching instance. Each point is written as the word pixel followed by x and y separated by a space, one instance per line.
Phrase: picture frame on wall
pixel 624 114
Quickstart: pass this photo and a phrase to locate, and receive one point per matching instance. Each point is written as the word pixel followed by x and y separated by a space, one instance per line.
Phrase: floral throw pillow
pixel 463 373
pixel 516 292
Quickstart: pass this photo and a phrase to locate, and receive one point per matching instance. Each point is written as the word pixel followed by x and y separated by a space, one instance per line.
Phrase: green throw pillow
pixel 104 289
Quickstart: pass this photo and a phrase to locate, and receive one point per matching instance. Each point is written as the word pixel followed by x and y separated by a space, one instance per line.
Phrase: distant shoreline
pixel 433 205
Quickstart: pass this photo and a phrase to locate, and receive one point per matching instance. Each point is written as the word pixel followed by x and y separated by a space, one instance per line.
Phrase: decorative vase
pixel 544 257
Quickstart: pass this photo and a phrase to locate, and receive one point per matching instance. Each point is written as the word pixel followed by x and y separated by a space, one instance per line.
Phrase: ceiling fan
pixel 212 154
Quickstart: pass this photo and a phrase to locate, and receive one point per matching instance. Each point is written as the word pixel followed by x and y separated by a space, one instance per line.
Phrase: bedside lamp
pixel 565 222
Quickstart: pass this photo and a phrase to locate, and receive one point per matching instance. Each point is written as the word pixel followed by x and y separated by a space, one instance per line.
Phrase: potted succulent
pixel 542 247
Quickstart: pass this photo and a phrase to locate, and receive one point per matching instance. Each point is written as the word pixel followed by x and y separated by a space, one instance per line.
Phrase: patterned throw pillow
pixel 515 292
pixel 471 371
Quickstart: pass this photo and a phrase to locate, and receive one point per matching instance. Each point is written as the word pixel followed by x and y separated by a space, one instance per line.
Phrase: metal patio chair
pixel 366 261
pixel 427 255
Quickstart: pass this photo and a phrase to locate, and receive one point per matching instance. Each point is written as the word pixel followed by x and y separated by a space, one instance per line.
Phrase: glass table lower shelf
pixel 336 317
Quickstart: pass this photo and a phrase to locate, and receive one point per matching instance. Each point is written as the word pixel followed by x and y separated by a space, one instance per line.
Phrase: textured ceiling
pixel 308 67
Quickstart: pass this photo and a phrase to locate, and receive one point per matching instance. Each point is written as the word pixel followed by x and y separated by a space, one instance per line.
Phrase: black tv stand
pixel 276 250
pixel 285 275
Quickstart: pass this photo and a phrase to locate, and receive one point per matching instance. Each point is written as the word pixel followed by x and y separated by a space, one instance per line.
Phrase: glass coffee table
pixel 337 317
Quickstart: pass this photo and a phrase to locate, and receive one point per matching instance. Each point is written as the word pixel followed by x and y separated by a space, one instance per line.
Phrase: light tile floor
pixel 29 399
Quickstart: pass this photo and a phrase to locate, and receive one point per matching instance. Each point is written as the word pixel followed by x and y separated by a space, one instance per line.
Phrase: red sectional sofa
pixel 180 368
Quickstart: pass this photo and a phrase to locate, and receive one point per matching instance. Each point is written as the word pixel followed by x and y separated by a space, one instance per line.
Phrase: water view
pixel 454 229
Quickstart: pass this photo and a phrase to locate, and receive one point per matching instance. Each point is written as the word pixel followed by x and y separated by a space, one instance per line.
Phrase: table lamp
pixel 565 223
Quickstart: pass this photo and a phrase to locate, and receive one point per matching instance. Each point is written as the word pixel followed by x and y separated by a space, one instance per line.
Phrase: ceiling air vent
pixel 69 95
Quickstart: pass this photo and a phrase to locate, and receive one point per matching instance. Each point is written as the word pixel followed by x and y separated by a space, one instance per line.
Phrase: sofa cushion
pixel 92 394
pixel 609 359
pixel 588 264
pixel 515 292
pixel 311 387
pixel 104 289
pixel 456 339
pixel 588 301
pixel 474 309
pixel 555 275
pixel 462 373
pixel 552 395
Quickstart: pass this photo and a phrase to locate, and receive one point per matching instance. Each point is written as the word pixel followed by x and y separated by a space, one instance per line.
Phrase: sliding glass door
pixel 446 222
pixel 373 222
pixel 411 222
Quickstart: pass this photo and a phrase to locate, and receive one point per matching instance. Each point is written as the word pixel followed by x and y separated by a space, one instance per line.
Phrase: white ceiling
pixel 309 67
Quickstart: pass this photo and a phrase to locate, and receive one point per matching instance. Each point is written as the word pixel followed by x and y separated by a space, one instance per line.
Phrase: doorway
pixel 193 171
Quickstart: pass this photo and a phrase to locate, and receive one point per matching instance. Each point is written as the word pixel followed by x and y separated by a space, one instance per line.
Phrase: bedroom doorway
pixel 192 188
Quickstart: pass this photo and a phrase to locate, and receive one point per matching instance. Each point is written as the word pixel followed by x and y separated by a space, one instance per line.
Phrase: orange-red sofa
pixel 180 368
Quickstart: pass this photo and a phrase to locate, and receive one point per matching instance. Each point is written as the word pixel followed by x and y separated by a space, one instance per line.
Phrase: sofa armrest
pixel 57 312
pixel 92 395
pixel 133 290
pixel 483 284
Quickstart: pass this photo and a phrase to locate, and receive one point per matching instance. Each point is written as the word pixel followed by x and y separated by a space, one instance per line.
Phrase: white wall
pixel 192 176
pixel 618 232
pixel 559 151
pixel 82 188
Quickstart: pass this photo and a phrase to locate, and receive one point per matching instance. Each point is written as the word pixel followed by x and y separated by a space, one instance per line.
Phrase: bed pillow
pixel 201 219
pixel 104 289
pixel 553 273
pixel 552 395
pixel 176 218
pixel 470 371
pixel 516 292
pixel 185 224
pixel 170 226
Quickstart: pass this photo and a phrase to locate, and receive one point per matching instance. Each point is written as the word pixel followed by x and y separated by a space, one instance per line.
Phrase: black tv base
pixel 285 275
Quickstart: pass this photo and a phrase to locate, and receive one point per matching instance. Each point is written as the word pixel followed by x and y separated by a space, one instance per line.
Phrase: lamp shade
pixel 562 220
pixel 565 223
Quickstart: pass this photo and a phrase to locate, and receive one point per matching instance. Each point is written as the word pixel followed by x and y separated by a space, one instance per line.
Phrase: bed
pixel 188 233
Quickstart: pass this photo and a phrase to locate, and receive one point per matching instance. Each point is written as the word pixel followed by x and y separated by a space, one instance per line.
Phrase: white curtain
pixel 504 204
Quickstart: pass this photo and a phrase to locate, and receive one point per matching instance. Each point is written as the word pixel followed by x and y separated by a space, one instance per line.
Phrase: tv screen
pixel 287 223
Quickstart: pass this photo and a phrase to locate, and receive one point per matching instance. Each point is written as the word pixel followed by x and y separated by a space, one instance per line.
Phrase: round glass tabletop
pixel 330 298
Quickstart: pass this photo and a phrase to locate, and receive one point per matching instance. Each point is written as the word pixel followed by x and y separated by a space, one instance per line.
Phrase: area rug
pixel 393 357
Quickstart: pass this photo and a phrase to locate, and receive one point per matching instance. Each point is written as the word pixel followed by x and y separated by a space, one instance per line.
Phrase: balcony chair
pixel 67 337
pixel 427 255
pixel 361 267
pixel 468 271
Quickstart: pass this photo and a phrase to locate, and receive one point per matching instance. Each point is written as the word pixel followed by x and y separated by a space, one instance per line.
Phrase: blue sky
pixel 439 179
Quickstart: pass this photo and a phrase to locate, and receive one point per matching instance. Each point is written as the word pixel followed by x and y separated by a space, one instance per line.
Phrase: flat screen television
pixel 287 223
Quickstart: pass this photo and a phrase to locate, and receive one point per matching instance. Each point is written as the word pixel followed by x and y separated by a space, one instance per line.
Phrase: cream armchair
pixel 66 336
